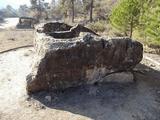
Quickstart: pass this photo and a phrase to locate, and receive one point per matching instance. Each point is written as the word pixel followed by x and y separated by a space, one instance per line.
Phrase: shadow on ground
pixel 135 101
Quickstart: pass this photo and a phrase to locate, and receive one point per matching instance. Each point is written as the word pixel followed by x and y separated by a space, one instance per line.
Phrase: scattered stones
pixel 48 98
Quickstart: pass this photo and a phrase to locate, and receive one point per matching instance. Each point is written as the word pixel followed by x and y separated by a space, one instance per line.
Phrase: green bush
pixel 98 26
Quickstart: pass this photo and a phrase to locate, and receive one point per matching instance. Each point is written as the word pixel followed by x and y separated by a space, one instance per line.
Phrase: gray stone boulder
pixel 87 59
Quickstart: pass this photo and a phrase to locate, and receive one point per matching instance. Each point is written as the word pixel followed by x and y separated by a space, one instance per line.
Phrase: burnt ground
pixel 136 101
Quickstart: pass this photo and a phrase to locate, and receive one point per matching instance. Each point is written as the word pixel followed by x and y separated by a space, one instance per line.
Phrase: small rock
pixel 43 107
pixel 29 105
pixel 88 45
pixel 88 38
pixel 55 98
pixel 26 54
pixel 27 98
pixel 48 98
pixel 158 92
pixel 13 39
pixel 135 69
pixel 152 65
pixel 147 70
pixel 93 90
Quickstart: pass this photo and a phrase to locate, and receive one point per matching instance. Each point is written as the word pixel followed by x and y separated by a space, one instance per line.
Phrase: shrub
pixel 98 26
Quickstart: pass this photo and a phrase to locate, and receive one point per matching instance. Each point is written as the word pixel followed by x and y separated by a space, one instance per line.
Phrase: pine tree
pixel 152 20
pixel 125 15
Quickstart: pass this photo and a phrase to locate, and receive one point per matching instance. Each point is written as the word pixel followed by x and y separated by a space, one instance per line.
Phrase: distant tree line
pixel 84 9
pixel 8 12
pixel 87 9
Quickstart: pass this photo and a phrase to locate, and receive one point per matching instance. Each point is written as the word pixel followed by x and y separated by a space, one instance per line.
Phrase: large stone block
pixel 63 63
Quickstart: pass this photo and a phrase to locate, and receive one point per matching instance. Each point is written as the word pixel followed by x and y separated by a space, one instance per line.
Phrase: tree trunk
pixel 91 11
pixel 125 33
pixel 131 28
pixel 39 10
pixel 72 1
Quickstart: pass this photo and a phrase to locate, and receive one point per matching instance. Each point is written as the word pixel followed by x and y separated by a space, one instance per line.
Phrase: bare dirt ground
pixel 136 101
pixel 13 38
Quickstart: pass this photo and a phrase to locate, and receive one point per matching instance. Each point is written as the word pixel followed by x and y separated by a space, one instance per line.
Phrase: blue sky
pixel 15 3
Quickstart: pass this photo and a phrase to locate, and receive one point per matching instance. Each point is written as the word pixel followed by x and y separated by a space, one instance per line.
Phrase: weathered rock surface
pixel 63 63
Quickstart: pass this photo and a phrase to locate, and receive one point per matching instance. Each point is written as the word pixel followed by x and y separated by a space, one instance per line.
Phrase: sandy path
pixel 14 66
pixel 154 58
